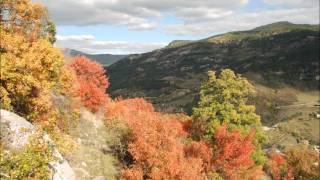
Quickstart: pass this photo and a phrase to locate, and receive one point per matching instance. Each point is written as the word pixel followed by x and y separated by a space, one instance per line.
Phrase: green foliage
pixel 29 162
pixel 51 29
pixel 262 31
pixel 224 100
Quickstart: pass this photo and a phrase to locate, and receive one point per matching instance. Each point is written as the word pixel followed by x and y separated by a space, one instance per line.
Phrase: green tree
pixel 224 100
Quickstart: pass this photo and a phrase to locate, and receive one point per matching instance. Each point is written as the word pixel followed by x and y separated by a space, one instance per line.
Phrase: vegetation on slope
pixel 140 142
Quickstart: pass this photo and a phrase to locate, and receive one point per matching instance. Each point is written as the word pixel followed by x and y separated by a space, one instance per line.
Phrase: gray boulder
pixel 15 132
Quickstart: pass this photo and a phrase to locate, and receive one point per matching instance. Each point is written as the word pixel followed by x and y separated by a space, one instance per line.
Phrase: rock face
pixel 15 131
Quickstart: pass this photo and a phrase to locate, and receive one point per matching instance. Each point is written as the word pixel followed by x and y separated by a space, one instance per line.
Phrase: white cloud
pixel 75 38
pixel 197 16
pixel 135 14
pixel 245 21
pixel 294 3
pixel 89 44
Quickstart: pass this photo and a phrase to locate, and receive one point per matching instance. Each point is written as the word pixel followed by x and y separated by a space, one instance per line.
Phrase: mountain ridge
pixel 170 77
pixel 104 59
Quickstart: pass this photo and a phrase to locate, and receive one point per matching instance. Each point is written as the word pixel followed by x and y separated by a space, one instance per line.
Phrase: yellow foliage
pixel 27 19
pixel 32 70
pixel 29 71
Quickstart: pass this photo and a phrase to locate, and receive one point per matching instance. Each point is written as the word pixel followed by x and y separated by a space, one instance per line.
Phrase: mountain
pixel 104 59
pixel 276 55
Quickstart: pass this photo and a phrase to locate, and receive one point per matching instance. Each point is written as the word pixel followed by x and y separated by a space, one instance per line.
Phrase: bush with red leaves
pixel 232 155
pixel 92 83
pixel 156 147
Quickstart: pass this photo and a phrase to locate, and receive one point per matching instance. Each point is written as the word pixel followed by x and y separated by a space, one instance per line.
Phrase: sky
pixel 138 26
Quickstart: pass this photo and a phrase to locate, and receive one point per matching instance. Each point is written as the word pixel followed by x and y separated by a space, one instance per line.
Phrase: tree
pixel 92 81
pixel 31 68
pixel 27 19
pixel 29 71
pixel 223 100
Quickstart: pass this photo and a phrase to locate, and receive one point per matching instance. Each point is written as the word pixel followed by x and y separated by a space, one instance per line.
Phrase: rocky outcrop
pixel 15 132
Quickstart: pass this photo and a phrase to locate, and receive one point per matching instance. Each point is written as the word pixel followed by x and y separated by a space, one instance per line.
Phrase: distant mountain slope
pixel 104 59
pixel 278 53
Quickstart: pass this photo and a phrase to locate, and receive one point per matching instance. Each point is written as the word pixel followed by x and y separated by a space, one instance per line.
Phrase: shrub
pixel 31 162
pixel 232 155
pixel 304 162
pixel 276 166
pixel 156 148
pixel 92 81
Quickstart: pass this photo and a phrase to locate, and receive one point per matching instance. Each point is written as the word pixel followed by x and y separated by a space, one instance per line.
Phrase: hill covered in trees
pixel 272 55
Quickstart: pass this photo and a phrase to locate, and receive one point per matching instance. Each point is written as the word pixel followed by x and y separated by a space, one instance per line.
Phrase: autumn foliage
pixel 277 165
pixel 157 149
pixel 215 143
pixel 303 162
pixel 31 68
pixel 232 155
pixel 92 81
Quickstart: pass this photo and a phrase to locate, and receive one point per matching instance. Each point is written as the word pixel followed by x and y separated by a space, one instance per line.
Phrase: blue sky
pixel 137 26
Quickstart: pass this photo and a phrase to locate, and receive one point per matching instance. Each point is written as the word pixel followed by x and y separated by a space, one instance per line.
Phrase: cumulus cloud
pixel 135 14
pixel 196 17
pixel 245 21
pixel 218 15
pixel 89 44
pixel 293 3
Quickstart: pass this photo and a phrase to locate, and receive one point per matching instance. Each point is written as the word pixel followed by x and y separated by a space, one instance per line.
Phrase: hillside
pixel 104 59
pixel 274 56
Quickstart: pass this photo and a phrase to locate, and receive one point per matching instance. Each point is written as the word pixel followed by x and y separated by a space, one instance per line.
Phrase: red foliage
pixel 276 160
pixel 278 167
pixel 156 148
pixel 92 82
pixel 200 150
pixel 232 155
pixel 289 174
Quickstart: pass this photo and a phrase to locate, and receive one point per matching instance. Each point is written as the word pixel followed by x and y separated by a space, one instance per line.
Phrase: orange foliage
pixel 132 174
pixel 232 155
pixel 93 83
pixel 27 19
pixel 200 150
pixel 278 167
pixel 156 148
